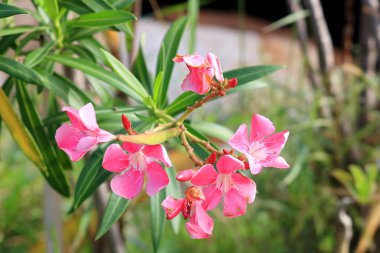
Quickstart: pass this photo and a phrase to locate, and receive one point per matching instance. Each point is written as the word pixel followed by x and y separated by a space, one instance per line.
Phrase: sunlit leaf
pixel 104 18
pixel 157 215
pixel 7 10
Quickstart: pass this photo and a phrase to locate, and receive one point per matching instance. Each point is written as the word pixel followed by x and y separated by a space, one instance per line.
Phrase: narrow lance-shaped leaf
pixel 116 206
pixel 104 18
pixel 245 77
pixel 166 54
pixel 19 133
pixel 91 176
pixel 22 29
pixel 157 215
pixel 140 70
pixel 96 71
pixel 56 177
pixel 125 74
pixel 152 138
pixel 174 189
pixel 36 56
pixel 7 10
pixel 19 71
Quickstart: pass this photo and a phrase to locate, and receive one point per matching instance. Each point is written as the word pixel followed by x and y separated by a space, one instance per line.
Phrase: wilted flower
pixel 200 224
pixel 202 71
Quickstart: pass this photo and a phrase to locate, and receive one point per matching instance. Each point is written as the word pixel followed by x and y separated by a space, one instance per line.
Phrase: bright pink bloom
pixel 237 189
pixel 202 71
pixel 185 175
pixel 132 165
pixel 263 147
pixel 83 134
pixel 200 224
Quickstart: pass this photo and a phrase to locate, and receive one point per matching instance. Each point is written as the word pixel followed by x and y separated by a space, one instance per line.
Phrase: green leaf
pixel 199 150
pixel 36 56
pixel 174 189
pixel 104 18
pixel 193 9
pixel 19 71
pixel 75 5
pixel 212 130
pixel 96 71
pixel 245 77
pixel 7 10
pixel 140 70
pixel 50 7
pixel 65 89
pixel 120 4
pixel 157 215
pixel 19 133
pixel 55 177
pixel 91 176
pixel 125 74
pixel 116 206
pixel 287 20
pixel 152 138
pixel 166 54
pixel 157 87
pixel 22 29
pixel 7 42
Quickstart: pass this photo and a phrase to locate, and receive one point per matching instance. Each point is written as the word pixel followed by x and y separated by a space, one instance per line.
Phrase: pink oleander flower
pixel 202 71
pixel 83 134
pixel 263 148
pixel 236 189
pixel 200 224
pixel 132 165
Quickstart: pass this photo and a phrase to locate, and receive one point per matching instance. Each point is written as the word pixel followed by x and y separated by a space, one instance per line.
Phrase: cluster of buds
pixel 217 179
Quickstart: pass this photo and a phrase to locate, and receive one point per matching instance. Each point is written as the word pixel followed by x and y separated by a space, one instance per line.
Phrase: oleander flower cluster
pixel 218 180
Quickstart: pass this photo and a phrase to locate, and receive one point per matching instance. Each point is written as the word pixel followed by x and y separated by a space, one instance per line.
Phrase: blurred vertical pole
pixel 369 49
pixel 348 31
pixel 52 220
pixel 242 17
pixel 193 13
pixel 322 36
pixel 294 6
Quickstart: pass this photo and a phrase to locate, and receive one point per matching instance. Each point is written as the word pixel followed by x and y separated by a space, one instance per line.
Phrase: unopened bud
pixel 185 175
pixel 211 159
pixel 232 83
pixel 127 124
pixel 194 193
pixel 246 165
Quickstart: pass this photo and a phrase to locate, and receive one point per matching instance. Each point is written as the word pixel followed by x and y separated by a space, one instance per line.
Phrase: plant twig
pixel 204 143
pixel 189 149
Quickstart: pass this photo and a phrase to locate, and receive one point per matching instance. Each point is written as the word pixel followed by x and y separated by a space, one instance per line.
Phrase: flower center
pixel 138 161
pixel 258 151
pixel 224 182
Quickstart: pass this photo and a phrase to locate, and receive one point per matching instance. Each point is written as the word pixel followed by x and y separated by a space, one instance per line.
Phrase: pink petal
pixel 157 152
pixel 200 225
pixel 86 144
pixel 260 127
pixel 254 165
pixel 204 176
pixel 234 204
pixel 88 116
pixel 157 178
pixel 115 160
pixel 172 206
pixel 185 175
pixel 214 61
pixel 67 138
pixel 178 58
pixel 239 140
pixel 246 186
pixel 198 80
pixel 195 60
pixel 128 184
pixel 276 142
pixel 132 147
pixel 74 117
pixel 104 136
pixel 213 196
pixel 278 162
pixel 227 164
